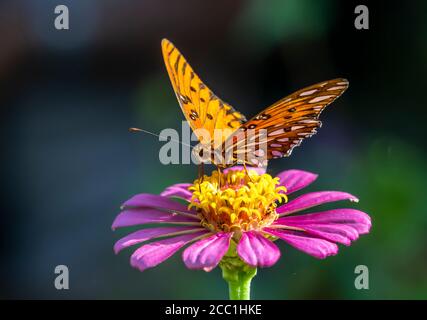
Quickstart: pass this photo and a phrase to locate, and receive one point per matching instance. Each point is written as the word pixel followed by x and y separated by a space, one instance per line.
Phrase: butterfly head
pixel 202 153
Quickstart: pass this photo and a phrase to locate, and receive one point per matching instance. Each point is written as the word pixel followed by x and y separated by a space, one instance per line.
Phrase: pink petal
pixel 318 248
pixel 353 218
pixel 258 170
pixel 335 233
pixel 179 190
pixel 256 250
pixel 154 253
pixel 295 180
pixel 147 200
pixel 147 234
pixel 207 253
pixel 313 199
pixel 132 217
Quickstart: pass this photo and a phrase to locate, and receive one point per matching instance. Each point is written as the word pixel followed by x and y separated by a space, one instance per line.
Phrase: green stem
pixel 239 279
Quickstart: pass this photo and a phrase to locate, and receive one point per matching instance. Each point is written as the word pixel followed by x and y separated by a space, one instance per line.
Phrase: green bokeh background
pixel 68 97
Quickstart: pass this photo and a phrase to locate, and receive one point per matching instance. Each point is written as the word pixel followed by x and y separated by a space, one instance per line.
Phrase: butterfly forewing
pixel 287 122
pixel 201 107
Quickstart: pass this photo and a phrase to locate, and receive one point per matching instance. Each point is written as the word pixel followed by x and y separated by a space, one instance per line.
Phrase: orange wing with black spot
pixel 201 107
pixel 285 124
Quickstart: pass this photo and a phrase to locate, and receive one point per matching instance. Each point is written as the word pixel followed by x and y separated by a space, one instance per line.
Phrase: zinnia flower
pixel 241 219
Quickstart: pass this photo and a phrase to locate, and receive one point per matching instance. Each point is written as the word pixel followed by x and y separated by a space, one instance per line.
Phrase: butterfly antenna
pixel 160 136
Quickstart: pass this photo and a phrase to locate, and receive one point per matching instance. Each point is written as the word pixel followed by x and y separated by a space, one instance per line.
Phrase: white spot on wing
pixel 259 153
pixel 296 128
pixel 336 88
pixel 308 121
pixel 275 132
pixel 318 99
pixel 307 93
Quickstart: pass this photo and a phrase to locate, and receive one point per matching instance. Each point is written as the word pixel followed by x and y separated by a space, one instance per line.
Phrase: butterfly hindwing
pixel 287 122
pixel 201 107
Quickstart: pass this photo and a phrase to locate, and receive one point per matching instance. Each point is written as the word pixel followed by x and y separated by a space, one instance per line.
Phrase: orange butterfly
pixel 280 127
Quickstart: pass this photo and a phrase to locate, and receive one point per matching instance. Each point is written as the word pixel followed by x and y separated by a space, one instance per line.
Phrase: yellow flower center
pixel 241 203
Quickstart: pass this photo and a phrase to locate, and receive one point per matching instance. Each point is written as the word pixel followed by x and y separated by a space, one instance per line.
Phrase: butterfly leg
pixel 201 173
pixel 247 172
pixel 219 178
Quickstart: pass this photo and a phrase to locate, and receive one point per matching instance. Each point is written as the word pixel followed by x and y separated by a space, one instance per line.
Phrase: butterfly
pixel 274 132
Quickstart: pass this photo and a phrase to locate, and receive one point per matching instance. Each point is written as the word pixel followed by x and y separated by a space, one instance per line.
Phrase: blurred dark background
pixel 68 97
